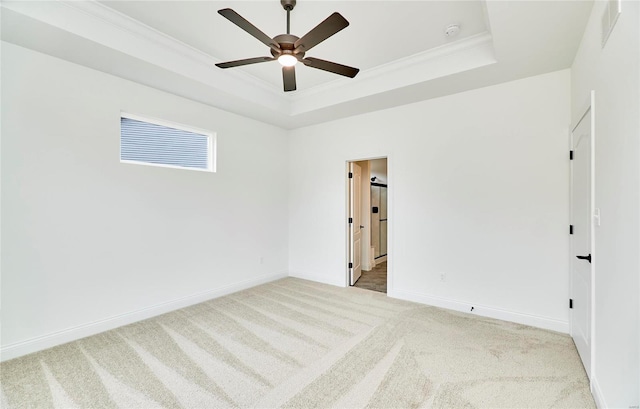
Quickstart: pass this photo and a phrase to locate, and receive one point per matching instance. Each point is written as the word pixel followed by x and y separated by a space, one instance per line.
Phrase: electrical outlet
pixel 261 260
pixel 443 277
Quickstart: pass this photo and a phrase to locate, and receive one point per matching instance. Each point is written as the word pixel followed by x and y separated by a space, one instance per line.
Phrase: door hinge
pixel 350 265
pixel 571 229
pixel 350 220
pixel 350 175
pixel 570 303
pixel 570 155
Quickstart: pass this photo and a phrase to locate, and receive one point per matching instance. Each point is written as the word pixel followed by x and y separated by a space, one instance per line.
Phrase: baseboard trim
pixel 596 392
pixel 81 331
pixel 482 310
pixel 318 278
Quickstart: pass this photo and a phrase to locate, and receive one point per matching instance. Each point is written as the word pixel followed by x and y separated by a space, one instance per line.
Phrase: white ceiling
pixel 379 31
pixel 399 46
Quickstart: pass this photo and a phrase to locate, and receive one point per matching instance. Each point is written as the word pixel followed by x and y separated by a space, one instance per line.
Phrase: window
pixel 147 141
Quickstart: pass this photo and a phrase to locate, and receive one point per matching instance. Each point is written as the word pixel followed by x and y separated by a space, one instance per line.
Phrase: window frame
pixel 211 142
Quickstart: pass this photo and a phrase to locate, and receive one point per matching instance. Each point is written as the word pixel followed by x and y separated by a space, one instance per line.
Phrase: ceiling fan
pixel 288 49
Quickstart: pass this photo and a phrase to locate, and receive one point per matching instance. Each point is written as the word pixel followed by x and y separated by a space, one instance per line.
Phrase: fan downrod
pixel 288 4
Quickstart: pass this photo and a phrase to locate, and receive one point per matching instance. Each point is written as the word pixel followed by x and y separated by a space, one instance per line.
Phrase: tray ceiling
pixel 379 32
pixel 399 46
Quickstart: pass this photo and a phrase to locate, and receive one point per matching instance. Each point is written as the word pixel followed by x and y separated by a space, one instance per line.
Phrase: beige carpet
pixel 298 344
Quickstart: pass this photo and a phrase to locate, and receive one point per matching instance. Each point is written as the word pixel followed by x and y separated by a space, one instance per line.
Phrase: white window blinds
pixel 152 143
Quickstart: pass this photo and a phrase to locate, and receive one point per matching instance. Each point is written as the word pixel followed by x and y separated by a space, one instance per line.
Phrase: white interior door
pixel 581 214
pixel 355 225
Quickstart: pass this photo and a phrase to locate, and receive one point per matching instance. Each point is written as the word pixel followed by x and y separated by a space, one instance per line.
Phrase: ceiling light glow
pixel 287 60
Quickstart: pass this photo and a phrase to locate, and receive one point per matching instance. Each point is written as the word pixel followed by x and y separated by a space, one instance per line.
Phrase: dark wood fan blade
pixel 238 63
pixel 331 67
pixel 241 22
pixel 321 32
pixel 289 78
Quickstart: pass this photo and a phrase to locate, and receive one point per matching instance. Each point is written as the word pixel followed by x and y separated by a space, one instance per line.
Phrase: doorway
pixel 368 219
pixel 581 230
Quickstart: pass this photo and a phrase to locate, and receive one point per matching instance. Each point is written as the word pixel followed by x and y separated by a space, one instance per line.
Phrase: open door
pixel 355 225
pixel 581 302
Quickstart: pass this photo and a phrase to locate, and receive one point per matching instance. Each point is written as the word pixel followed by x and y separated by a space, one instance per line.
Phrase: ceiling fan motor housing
pixel 287 46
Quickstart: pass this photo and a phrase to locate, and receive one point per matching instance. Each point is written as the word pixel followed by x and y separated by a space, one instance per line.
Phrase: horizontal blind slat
pixel 156 144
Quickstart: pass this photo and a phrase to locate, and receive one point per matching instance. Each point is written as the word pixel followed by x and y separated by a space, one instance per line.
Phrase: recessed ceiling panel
pixel 399 46
pixel 380 32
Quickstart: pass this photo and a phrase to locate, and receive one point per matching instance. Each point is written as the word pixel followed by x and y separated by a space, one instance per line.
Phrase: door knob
pixel 362 227
pixel 588 258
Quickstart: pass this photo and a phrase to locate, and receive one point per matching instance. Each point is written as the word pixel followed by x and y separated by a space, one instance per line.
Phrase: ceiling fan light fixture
pixel 288 49
pixel 287 60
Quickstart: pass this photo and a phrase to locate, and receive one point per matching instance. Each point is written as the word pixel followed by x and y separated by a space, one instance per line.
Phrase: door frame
pixel 588 109
pixel 358 223
pixel 390 223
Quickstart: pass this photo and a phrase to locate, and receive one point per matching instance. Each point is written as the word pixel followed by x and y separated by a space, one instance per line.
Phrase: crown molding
pixel 425 57
pixel 122 21
pixel 103 25
pixel 462 55
pixel 432 55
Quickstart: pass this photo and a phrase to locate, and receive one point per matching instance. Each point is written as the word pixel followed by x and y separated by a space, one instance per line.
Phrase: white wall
pixel 614 74
pixel 478 189
pixel 86 238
